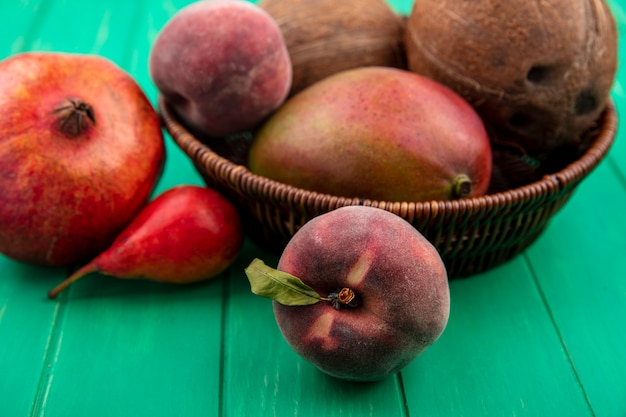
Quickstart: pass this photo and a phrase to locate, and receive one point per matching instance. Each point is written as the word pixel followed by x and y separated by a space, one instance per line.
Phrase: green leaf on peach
pixel 279 286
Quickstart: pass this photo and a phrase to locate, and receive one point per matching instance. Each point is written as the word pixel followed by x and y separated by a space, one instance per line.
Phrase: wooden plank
pixel 133 348
pixel 580 268
pixel 179 169
pixel 67 28
pixel 26 320
pixel 529 338
pixel 499 355
pixel 18 22
pixel 618 151
pixel 401 6
pixel 26 316
pixel 619 13
pixel 131 337
pixel 264 376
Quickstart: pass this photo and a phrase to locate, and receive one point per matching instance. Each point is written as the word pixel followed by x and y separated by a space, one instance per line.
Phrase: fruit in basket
pixel 538 74
pixel 81 149
pixel 186 234
pixel 360 293
pixel 221 65
pixel 324 37
pixel 377 133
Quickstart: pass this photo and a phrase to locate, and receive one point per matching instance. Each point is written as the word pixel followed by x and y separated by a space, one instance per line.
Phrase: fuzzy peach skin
pixel 222 66
pixel 400 284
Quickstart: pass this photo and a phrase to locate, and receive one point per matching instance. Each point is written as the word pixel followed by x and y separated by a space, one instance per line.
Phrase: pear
pixel 187 234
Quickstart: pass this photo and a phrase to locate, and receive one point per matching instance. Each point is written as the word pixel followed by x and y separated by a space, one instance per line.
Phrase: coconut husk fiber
pixel 324 37
pixel 538 72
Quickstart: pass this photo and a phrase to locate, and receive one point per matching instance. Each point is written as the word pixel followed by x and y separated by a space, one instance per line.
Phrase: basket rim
pixel 250 184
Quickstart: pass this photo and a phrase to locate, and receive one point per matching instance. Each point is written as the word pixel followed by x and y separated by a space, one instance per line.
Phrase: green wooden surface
pixel 543 335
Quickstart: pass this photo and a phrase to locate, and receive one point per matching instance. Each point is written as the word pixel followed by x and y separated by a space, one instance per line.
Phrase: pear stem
pixel 81 272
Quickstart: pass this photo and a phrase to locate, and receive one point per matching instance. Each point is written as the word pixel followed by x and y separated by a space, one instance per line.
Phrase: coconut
pixel 538 73
pixel 324 37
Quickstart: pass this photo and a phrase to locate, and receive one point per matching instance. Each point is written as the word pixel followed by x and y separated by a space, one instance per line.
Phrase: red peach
pixel 400 285
pixel 221 65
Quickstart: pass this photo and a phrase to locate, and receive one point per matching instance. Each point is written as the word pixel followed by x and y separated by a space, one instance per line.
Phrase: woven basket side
pixel 472 234
pixel 575 172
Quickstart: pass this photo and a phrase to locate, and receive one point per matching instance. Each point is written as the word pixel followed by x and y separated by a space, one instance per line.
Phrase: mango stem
pixel 461 186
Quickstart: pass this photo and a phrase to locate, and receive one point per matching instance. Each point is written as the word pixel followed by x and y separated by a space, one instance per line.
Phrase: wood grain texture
pixel 542 335
pixel 499 356
pixel 263 376
pixel 27 322
pixel 137 348
pixel 579 266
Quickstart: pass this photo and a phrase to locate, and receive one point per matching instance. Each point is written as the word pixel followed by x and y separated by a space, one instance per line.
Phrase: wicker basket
pixel 471 234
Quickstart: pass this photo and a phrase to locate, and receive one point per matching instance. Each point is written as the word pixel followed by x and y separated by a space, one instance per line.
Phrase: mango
pixel 377 133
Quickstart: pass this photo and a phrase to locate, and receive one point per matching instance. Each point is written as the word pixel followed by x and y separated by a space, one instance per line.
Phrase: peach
pixel 221 65
pixel 388 292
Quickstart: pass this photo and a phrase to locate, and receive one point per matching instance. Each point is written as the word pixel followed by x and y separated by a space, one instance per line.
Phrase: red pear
pixel 81 149
pixel 185 235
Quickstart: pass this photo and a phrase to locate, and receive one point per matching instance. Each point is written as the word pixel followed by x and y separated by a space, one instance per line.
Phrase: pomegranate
pixel 81 149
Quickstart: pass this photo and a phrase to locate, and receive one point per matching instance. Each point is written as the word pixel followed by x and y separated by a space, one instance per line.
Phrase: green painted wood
pixel 26 316
pixel 18 22
pixel 263 376
pixel 136 349
pixel 401 6
pixel 83 30
pixel 580 267
pixel 179 168
pixel 500 354
pixel 118 343
pixel 541 335
pixel 618 152
pixel 26 320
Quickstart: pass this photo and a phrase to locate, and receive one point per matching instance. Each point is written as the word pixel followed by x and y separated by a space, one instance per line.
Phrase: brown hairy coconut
pixel 324 37
pixel 538 73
